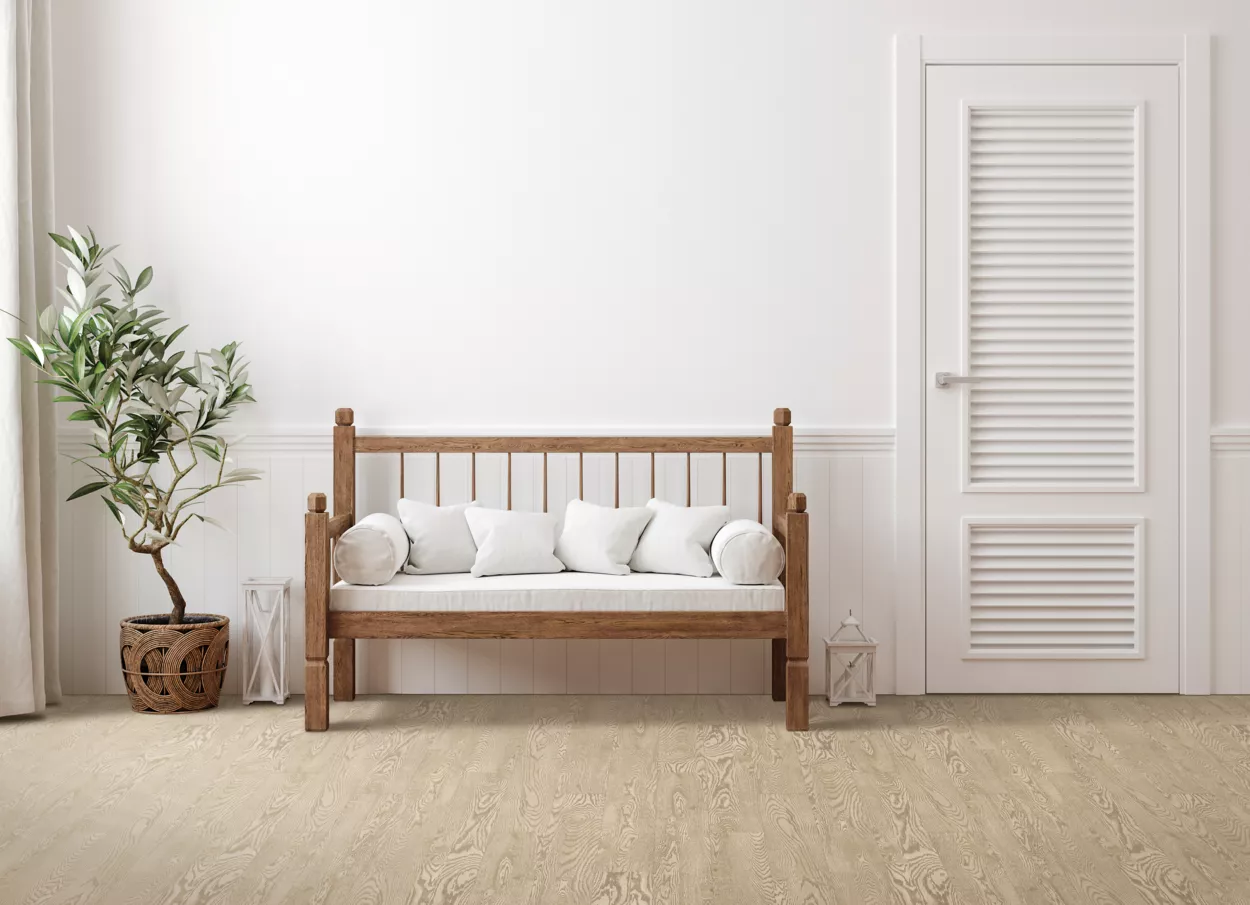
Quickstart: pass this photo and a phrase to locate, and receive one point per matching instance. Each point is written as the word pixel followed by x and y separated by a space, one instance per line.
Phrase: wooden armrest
pixel 796 504
pixel 335 524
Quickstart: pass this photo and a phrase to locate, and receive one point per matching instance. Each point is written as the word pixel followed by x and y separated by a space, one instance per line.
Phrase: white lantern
pixel 849 665
pixel 266 627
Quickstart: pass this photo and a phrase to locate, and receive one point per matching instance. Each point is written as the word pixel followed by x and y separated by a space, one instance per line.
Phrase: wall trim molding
pixel 1230 440
pixel 303 440
pixel 297 440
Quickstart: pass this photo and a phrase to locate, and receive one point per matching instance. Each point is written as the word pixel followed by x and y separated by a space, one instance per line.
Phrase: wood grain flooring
pixel 570 799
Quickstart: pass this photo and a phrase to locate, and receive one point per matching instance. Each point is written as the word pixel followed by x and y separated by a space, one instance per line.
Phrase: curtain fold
pixel 29 666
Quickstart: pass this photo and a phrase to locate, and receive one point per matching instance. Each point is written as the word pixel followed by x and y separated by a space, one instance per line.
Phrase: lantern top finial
pixel 850 622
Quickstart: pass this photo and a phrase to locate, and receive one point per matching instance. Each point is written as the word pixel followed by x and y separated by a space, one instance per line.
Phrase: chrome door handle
pixel 943 379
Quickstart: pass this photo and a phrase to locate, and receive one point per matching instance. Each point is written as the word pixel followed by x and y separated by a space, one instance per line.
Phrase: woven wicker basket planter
pixel 174 668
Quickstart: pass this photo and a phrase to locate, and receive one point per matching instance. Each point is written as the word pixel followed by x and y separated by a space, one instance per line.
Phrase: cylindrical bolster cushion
pixel 745 552
pixel 372 550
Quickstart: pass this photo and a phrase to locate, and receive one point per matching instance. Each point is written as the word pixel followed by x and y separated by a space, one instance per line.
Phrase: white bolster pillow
pixel 745 552
pixel 372 550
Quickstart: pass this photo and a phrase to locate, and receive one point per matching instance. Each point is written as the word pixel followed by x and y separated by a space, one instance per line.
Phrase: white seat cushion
pixel 558 592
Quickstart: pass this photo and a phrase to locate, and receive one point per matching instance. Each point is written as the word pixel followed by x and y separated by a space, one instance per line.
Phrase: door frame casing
pixel 1191 54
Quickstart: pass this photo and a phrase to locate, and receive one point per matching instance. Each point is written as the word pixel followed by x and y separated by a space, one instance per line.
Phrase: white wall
pixel 481 212
pixel 554 213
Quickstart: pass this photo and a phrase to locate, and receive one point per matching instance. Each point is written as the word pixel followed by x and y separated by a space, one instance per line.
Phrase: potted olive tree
pixel 154 415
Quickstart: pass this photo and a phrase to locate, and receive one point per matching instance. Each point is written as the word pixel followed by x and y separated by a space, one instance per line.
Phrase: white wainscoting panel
pixel 1230 566
pixel 848 476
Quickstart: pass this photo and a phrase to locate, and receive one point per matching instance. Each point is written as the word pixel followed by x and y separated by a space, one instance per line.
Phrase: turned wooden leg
pixel 779 669
pixel 344 669
pixel 316 695
pixel 796 694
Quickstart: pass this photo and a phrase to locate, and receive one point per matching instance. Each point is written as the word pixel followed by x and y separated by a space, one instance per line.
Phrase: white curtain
pixel 29 667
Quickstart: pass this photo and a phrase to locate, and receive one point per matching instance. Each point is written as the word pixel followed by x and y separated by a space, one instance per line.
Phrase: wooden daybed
pixel 787 627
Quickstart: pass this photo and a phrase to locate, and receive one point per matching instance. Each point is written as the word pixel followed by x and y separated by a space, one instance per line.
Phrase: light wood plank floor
pixel 631 799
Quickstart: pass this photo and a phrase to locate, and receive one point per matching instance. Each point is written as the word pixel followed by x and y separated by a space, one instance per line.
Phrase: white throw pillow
pixel 677 539
pixel 599 538
pixel 513 543
pixel 372 550
pixel 441 541
pixel 745 552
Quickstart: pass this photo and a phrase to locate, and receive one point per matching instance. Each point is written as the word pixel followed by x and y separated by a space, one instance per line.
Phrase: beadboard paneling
pixel 847 476
pixel 1230 563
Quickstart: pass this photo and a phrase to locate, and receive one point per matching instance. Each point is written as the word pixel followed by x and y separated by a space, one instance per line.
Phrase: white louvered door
pixel 1052 453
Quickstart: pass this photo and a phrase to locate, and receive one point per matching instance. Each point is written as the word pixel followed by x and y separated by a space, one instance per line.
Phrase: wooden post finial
pixel 316 502
pixel 781 417
pixel 344 417
pixel 797 502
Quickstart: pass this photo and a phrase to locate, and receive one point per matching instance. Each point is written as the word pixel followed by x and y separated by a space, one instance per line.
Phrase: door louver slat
pixel 1052 288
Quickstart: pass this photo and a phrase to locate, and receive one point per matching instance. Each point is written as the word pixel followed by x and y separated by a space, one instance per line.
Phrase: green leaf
pixel 82 415
pixel 145 277
pixel 111 394
pixel 76 328
pixel 77 286
pixel 80 361
pixel 31 351
pixel 117 513
pixel 71 255
pixel 86 489
pixel 63 242
pixel 125 495
pixel 47 320
pixel 80 242
pixel 211 451
pixel 123 278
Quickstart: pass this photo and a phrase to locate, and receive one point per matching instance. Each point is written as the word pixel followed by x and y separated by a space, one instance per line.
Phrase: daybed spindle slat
pixel 759 490
pixel 544 482
pixel 688 487
pixel 509 481
pixel 616 480
pixel 401 476
pixel 473 477
pixel 438 480
pixel 581 472
pixel 724 479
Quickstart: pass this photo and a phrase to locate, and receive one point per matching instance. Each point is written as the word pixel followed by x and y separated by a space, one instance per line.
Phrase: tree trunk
pixel 175 594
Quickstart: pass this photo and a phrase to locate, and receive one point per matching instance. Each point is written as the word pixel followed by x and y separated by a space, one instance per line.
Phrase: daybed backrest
pixel 780 445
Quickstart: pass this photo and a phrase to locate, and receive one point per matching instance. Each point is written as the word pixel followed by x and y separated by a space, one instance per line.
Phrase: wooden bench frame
pixel 788 630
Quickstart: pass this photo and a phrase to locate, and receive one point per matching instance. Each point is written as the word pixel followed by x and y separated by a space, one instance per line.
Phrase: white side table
pixel 266 628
